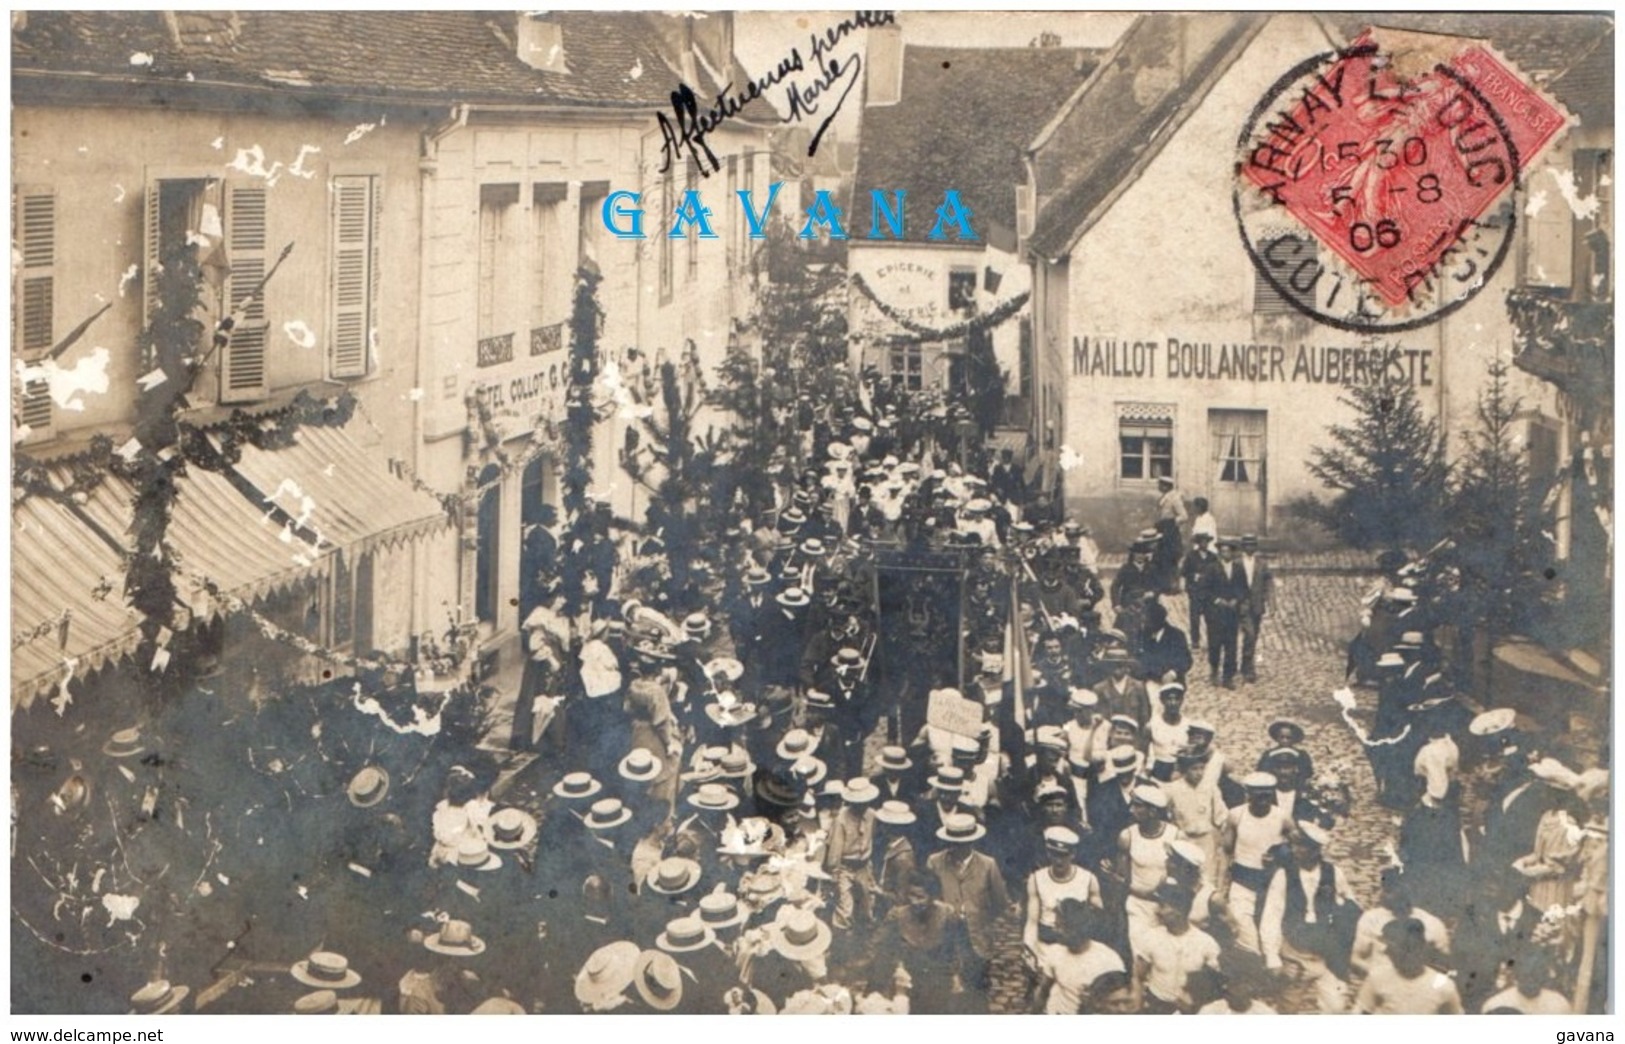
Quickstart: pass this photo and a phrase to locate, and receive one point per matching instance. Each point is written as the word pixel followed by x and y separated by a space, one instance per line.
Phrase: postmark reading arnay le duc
pixel 1376 186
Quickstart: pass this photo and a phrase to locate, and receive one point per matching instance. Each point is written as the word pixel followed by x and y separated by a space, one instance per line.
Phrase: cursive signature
pixel 688 126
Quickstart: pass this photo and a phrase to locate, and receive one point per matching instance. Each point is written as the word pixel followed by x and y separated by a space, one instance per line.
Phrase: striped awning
pixel 67 599
pixel 339 491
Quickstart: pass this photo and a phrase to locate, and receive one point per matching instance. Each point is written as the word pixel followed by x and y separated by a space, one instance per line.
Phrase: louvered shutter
pixel 34 224
pixel 243 364
pixel 354 266
pixel 151 229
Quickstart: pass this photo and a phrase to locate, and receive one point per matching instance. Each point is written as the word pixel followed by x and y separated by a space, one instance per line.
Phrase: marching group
pixel 730 807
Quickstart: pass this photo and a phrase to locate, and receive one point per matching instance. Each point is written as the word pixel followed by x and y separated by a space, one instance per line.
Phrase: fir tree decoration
pixel 585 323
pixel 1387 470
pixel 1495 514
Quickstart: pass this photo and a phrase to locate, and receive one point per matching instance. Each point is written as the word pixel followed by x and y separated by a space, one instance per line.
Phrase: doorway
pixel 1238 469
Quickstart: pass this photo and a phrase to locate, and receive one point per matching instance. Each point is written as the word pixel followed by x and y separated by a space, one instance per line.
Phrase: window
pixel 1289 253
pixel 33 316
pixel 551 282
pixel 493 327
pixel 590 232
pixel 354 293
pixel 1145 437
pixel 667 206
pixel 962 290
pixel 908 366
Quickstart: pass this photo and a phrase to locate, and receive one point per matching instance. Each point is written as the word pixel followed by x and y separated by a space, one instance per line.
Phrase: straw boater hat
pixel 846 656
pixel 686 934
pixel 325 970
pixel 810 771
pixel 673 876
pixel 725 668
pixel 1493 721
pixel 818 700
pixel 721 909
pixel 714 797
pixel 860 792
pixel 607 814
pixel 640 765
pixel 960 828
pixel 455 939
pixel 158 998
pixel 895 759
pixel 813 547
pixel 735 764
pixel 728 712
pixel 512 828
pixel 606 975
pixel 125 743
pixel 577 786
pixel 756 576
pixel 796 744
pixel 659 980
pixel 949 778
pixel 799 935
pixel 696 625
pixel 321 1002
pixel 792 598
pixel 474 853
pixel 897 813
pixel 1120 761
pixel 368 786
pixel 1391 659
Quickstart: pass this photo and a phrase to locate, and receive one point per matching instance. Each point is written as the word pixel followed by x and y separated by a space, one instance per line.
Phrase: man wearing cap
pixel 1085 737
pixel 1110 797
pixel 1060 879
pixel 1309 918
pixel 1197 809
pixel 1134 585
pixel 1250 836
pixel 1167 733
pixel 1141 861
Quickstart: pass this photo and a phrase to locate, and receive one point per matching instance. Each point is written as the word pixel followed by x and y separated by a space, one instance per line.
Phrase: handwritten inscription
pixel 807 87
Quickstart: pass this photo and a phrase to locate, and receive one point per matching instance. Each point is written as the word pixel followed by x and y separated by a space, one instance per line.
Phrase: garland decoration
pixel 926 335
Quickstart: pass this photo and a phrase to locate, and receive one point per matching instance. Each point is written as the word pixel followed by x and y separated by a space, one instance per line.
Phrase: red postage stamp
pixel 1401 158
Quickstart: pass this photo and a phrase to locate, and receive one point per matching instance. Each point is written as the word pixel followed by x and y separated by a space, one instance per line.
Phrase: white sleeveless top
pixel 1082 887
pixel 1148 858
pixel 1256 835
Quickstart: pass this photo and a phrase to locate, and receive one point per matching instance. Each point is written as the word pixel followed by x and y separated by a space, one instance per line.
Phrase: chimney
pixel 714 39
pixel 540 43
pixel 883 59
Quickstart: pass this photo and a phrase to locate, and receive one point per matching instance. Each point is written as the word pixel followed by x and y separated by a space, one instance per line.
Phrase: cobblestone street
pixel 1300 662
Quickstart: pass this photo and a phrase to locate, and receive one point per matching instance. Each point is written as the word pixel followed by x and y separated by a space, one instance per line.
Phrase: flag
pixel 1015 657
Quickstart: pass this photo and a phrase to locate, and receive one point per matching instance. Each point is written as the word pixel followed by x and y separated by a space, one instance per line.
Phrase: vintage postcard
pixel 787 513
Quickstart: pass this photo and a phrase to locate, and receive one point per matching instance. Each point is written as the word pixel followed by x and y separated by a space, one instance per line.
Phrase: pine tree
pixel 679 468
pixel 1495 513
pixel 1387 470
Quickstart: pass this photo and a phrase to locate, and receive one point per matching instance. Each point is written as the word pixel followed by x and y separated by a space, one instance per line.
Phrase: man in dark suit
pixel 1252 574
pixel 1163 648
pixel 1224 613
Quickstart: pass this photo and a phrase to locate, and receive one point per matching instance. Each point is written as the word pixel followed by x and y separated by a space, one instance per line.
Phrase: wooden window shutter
pixel 354 267
pixel 243 366
pixel 34 225
pixel 149 261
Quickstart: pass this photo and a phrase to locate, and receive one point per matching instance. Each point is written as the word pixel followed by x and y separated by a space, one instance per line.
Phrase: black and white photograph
pixel 776 513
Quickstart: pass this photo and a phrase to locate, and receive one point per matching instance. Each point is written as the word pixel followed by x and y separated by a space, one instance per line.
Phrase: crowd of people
pixel 825 786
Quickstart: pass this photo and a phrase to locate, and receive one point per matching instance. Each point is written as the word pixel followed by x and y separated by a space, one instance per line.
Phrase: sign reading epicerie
pixel 1174 359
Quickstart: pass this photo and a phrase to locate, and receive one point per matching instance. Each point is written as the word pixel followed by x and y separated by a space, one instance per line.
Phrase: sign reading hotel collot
pixel 1174 359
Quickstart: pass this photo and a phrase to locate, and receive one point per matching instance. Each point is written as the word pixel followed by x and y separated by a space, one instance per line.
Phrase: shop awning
pixel 67 599
pixel 340 490
pixel 216 532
